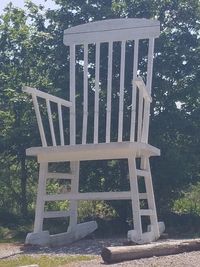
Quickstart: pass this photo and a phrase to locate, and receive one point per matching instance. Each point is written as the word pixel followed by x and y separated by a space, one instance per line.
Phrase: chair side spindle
pixel 53 138
pixel 140 115
pixel 121 92
pixel 39 120
pixel 60 121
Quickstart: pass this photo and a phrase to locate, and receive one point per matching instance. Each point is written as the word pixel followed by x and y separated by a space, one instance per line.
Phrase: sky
pixel 20 3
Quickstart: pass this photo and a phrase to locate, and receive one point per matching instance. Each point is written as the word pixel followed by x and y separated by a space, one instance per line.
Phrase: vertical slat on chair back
pixel 144 137
pixel 96 101
pixel 121 91
pixel 133 102
pixel 150 64
pixel 109 91
pixel 72 95
pixel 121 101
pixel 85 95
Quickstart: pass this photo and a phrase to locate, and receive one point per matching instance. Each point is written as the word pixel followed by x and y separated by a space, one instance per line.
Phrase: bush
pixel 189 203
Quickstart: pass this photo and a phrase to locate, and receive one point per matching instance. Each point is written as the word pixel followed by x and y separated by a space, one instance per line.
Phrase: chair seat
pixel 99 151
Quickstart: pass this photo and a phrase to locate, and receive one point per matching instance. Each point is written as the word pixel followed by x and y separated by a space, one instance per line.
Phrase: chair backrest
pixel 109 101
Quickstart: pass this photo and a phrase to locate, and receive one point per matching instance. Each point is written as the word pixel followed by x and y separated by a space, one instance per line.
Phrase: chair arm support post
pixel 141 86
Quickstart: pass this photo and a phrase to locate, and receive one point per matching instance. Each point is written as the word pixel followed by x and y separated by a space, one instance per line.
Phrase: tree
pixel 32 53
pixel 24 54
pixel 175 109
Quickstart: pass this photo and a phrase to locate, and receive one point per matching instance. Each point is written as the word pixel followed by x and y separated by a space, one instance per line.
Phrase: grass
pixel 44 261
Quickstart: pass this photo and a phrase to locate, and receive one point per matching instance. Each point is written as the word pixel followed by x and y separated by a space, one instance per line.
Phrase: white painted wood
pixel 92 151
pixel 45 239
pixel 112 24
pixel 51 122
pixel 40 238
pixel 142 196
pixel 96 103
pixel 150 197
pixel 80 231
pixel 72 96
pixel 145 124
pixel 56 214
pixel 146 238
pixel 55 99
pixel 93 196
pixel 142 173
pixel 146 212
pixel 121 92
pixel 107 31
pixel 140 116
pixel 60 175
pixel 39 121
pixel 150 64
pixel 133 106
pixel 85 95
pixel 59 101
pixel 112 30
pixel 109 91
pixel 135 196
pixel 39 212
pixel 60 121
pixel 73 208
pixel 161 227
pixel 142 87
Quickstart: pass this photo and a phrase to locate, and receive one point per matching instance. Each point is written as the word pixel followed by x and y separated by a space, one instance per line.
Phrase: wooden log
pixel 125 253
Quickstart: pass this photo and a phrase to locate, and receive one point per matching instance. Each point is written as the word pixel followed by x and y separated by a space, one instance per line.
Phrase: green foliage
pixel 14 232
pixel 4 233
pixel 87 210
pixel 94 210
pixel 189 203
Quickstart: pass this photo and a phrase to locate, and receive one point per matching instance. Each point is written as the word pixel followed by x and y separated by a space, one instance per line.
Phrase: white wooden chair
pixel 100 39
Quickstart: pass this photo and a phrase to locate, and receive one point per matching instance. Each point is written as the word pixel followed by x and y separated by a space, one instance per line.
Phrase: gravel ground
pixel 191 259
pixel 94 247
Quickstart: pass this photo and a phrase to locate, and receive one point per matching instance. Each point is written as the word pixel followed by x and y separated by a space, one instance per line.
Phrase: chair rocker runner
pixel 105 60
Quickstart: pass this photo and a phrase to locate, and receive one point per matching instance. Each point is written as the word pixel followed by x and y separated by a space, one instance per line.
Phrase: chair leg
pixel 145 165
pixel 75 167
pixel 39 212
pixel 135 198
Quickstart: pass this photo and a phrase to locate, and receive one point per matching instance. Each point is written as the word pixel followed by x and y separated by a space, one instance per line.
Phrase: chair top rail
pixel 112 30
pixel 141 86
pixel 46 96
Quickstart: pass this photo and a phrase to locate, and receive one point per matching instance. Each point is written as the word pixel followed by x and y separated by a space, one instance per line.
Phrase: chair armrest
pixel 141 86
pixel 38 93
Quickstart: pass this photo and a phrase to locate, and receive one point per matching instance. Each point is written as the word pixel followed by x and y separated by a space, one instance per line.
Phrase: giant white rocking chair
pixel 126 46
